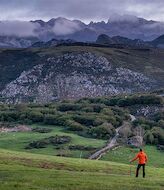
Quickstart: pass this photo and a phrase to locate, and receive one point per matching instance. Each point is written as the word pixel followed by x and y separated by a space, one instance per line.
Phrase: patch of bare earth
pixel 18 128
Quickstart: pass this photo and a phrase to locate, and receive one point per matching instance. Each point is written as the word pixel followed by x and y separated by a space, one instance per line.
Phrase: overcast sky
pixel 85 10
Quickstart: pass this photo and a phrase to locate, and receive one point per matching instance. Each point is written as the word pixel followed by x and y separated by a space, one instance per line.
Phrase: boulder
pixel 135 141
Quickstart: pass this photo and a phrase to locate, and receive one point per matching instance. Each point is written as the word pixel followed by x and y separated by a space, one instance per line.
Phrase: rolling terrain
pixel 81 95
pixel 48 146
pixel 59 106
pixel 30 171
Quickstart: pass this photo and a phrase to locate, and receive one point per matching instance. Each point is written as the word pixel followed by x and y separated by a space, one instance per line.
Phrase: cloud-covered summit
pixel 64 26
pixel 61 28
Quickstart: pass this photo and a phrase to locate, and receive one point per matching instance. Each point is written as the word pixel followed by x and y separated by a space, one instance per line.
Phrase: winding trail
pixel 111 143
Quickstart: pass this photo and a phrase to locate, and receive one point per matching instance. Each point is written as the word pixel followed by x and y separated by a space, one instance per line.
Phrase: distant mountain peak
pixel 104 39
pixel 127 26
pixel 158 42
pixel 58 19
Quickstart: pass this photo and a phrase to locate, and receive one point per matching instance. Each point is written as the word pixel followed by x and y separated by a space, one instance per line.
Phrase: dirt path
pixel 111 144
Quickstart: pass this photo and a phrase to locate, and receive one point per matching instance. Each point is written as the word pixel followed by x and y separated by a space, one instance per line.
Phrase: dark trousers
pixel 138 167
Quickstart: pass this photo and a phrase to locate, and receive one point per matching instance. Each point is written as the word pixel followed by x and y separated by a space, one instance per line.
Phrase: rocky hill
pixel 49 74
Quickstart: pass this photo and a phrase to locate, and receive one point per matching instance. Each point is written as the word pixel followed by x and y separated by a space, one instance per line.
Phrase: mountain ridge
pixel 62 28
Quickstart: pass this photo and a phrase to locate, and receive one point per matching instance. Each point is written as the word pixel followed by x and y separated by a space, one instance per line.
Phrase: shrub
pixel 69 107
pixel 143 121
pixel 9 116
pixel 54 140
pixel 38 144
pixel 97 122
pixel 35 116
pixel 74 126
pixel 48 111
pixel 161 124
pixel 42 130
pixel 158 134
pixel 97 108
pixel 159 116
pixel 26 121
pixel 107 111
pixel 21 107
pixel 88 120
pixel 104 131
pixel 81 147
pixel 87 109
pixel 54 120
pixel 84 120
pixel 111 102
pixel 149 138
pixel 143 99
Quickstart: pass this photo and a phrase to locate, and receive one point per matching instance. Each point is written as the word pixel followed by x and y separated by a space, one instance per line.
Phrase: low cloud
pixel 120 18
pixel 65 27
pixel 26 29
pixel 18 28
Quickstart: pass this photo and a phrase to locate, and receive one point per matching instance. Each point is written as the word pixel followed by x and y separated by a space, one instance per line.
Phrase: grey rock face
pixel 72 76
pixel 146 110
pixel 136 141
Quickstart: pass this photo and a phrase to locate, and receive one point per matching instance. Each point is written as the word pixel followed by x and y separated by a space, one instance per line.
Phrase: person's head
pixel 140 149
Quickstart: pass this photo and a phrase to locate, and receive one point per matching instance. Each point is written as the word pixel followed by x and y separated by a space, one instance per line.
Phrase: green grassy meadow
pixel 24 171
pixel 19 140
pixel 124 154
pixel 41 169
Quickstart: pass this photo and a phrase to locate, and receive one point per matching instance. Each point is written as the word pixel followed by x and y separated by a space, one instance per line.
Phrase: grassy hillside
pixel 19 140
pixel 36 159
pixel 30 171
pixel 124 154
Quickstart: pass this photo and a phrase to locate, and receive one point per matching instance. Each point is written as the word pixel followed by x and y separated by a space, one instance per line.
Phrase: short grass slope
pixel 124 154
pixel 33 171
pixel 18 141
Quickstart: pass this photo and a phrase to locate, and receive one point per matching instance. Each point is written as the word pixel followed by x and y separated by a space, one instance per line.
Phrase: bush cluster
pixel 54 140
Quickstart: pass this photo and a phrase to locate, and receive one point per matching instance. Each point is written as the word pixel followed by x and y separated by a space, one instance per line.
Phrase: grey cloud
pixel 18 28
pixel 117 17
pixel 80 9
pixel 64 27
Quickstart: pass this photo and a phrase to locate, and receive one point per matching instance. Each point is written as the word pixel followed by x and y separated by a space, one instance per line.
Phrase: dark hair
pixel 140 149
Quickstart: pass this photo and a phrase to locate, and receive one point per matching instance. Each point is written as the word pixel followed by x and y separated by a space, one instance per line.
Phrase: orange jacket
pixel 142 158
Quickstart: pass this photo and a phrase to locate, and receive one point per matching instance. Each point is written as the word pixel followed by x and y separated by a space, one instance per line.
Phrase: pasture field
pixel 26 171
pixel 19 140
pixel 124 154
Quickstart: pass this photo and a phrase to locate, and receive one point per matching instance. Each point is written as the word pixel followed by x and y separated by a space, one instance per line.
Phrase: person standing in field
pixel 142 160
